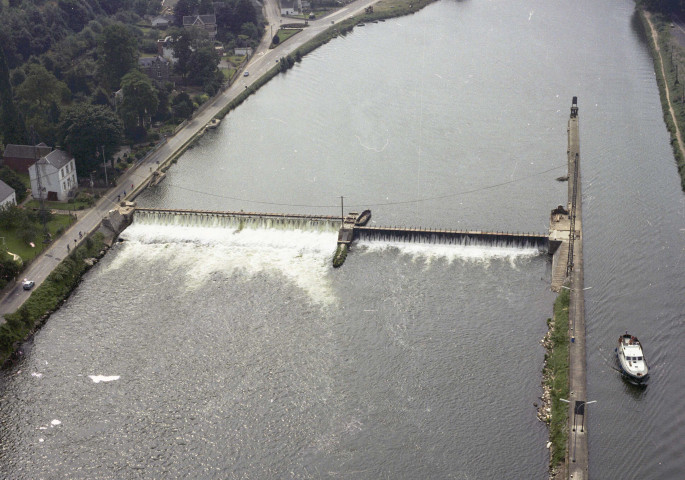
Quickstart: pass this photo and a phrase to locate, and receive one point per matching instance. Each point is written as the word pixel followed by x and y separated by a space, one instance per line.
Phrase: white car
pixel 27 284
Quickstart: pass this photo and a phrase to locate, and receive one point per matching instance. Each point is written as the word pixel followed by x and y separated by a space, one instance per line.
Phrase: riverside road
pixel 137 176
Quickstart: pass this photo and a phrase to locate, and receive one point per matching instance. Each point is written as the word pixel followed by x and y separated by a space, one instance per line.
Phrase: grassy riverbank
pixel 46 298
pixel 673 58
pixel 555 380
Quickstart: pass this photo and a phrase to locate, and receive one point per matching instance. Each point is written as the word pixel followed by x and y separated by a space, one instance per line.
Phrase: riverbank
pixel 65 276
pixel 555 385
pixel 669 66
pixel 48 297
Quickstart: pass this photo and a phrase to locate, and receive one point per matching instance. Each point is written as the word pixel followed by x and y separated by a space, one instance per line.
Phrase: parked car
pixel 27 284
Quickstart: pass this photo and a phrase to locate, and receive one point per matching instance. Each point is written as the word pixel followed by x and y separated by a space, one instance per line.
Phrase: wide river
pixel 197 351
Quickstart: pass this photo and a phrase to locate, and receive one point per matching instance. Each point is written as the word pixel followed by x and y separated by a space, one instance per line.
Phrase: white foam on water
pixel 429 252
pixel 103 378
pixel 303 256
pixel 55 422
pixel 36 374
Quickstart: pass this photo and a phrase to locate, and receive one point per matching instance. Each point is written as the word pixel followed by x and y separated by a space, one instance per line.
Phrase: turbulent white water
pixel 303 257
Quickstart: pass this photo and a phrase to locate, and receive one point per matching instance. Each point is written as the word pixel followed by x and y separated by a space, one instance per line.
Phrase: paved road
pixel 262 60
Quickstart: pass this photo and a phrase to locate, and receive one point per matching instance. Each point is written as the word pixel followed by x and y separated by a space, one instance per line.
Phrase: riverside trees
pixel 66 56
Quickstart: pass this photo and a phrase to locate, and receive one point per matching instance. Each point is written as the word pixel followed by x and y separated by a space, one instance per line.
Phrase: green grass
pixel 47 297
pixel 556 378
pixel 75 205
pixel 340 255
pixel 285 33
pixel 14 244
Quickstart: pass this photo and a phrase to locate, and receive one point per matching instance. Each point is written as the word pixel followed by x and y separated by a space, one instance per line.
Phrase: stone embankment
pixel 116 221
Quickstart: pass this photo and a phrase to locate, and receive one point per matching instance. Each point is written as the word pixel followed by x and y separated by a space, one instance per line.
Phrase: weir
pixel 454 237
pixel 352 227
pixel 218 219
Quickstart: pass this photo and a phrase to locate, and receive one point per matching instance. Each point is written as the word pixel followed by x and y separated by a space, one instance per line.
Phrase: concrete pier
pixel 577 452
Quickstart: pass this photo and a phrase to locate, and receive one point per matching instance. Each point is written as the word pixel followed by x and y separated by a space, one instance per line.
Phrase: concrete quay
pixel 577 450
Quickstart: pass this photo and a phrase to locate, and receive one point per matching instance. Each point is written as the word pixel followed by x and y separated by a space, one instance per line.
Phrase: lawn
pixel 16 245
pixel 75 205
pixel 286 33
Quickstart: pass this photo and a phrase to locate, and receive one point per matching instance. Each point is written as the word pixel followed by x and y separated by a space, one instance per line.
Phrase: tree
pixel 206 7
pixel 140 98
pixel 9 269
pixel 202 65
pixel 118 53
pixel 182 51
pixel 85 129
pixel 12 216
pixel 11 120
pixel 40 87
pixel 11 178
pixel 183 8
pixel 244 12
pixel 182 106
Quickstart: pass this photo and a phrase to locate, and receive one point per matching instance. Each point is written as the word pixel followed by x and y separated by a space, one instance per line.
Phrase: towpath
pixel 655 38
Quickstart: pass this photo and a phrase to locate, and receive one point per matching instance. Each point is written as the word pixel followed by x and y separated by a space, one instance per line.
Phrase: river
pixel 205 352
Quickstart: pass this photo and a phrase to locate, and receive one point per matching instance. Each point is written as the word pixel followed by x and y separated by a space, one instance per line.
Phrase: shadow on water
pixel 639 28
pixel 633 388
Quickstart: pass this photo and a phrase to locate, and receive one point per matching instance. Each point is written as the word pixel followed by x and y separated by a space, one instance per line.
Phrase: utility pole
pixel 104 162
pixel 39 181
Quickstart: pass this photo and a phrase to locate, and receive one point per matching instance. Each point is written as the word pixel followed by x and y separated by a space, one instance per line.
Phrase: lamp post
pixel 578 409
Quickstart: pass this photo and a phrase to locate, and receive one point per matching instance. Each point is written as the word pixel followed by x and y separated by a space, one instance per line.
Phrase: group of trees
pixel 663 6
pixel 237 20
pixel 62 61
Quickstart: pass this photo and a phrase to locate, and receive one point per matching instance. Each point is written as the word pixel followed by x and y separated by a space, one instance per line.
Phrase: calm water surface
pixel 235 353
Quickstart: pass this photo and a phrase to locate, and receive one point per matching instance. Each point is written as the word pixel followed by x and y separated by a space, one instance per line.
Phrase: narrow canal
pixel 243 354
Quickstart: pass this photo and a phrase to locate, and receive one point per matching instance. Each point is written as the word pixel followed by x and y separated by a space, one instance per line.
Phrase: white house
pixel 243 51
pixel 165 48
pixel 57 174
pixel 290 7
pixel 7 195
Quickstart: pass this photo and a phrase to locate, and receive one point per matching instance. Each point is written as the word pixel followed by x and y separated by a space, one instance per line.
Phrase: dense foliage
pixel 60 59
pixel 11 178
pixel 85 130
pixel 663 6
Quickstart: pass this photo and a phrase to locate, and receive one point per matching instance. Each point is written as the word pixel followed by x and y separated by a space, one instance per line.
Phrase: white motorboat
pixel 631 359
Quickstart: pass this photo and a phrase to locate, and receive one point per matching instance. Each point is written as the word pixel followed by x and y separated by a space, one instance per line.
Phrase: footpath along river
pixel 243 354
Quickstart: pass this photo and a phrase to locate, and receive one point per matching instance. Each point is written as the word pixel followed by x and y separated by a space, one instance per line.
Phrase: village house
pixel 290 7
pixel 165 49
pixel 157 68
pixel 7 195
pixel 205 22
pixel 244 51
pixel 53 177
pixel 20 157
pixel 161 21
